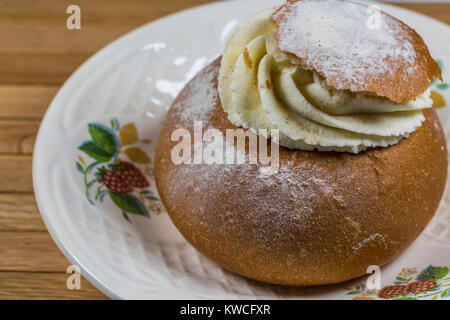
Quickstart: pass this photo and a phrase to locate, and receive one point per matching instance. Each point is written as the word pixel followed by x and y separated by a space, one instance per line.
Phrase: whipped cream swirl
pixel 261 88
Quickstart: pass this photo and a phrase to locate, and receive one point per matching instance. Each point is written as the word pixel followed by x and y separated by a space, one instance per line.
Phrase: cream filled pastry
pixel 315 70
pixel 261 86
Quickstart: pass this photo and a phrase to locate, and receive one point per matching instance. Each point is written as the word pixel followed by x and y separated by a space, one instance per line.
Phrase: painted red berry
pixel 419 286
pixel 124 178
pixel 391 291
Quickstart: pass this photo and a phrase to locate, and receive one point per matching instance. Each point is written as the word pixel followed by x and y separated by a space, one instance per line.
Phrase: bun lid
pixel 355 47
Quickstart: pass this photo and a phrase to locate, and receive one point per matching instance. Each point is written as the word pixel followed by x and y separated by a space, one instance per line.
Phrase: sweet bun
pixel 322 219
pixel 395 64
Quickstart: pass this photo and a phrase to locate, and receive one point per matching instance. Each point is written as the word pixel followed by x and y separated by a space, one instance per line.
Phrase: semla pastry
pixel 362 155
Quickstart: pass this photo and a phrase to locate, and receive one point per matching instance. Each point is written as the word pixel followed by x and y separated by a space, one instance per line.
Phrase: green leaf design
pixel 114 124
pixel 445 294
pixel 406 298
pixel 151 198
pixel 129 203
pixel 433 273
pixel 90 184
pixel 100 192
pixel 99 174
pixel 80 167
pixel 103 137
pixel 116 167
pixel 353 292
pixel 124 214
pixel 93 150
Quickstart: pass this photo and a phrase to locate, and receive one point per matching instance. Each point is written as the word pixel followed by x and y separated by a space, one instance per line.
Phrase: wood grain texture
pixel 36 285
pixel 15 173
pixel 38 68
pixel 37 54
pixel 37 47
pixel 19 212
pixel 439 11
pixel 27 102
pixel 18 136
pixel 30 251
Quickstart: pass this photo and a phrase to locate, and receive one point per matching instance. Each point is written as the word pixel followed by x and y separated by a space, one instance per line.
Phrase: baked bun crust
pixel 322 219
pixel 398 66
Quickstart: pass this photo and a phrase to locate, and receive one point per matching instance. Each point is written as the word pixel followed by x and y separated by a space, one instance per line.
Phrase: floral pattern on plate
pixel 125 182
pixel 438 99
pixel 431 283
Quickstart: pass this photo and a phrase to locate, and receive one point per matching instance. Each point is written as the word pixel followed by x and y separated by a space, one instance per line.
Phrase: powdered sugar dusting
pixel 366 241
pixel 201 98
pixel 333 37
pixel 298 184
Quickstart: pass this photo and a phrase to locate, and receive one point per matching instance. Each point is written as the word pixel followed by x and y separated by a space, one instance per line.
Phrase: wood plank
pixel 33 285
pixel 19 212
pixel 113 10
pixel 18 136
pixel 94 34
pixel 38 68
pixel 25 101
pixel 439 11
pixel 38 48
pixel 15 173
pixel 30 251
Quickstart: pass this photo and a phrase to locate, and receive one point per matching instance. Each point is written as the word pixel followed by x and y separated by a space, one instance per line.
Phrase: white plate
pixel 134 80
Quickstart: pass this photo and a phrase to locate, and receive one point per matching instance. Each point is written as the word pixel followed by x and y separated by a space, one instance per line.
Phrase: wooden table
pixel 37 54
